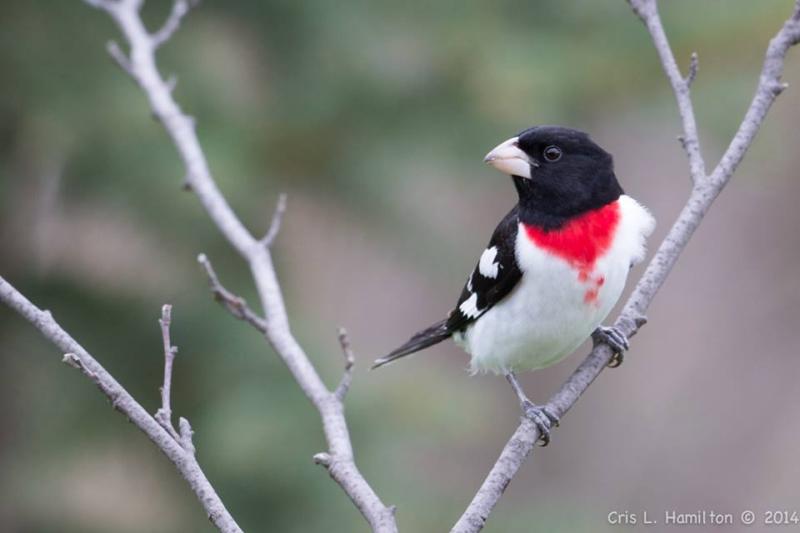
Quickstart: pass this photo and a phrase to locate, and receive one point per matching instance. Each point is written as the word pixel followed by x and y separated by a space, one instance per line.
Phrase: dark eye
pixel 552 153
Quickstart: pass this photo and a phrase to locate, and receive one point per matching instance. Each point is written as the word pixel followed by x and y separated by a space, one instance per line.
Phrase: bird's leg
pixel 615 339
pixel 543 417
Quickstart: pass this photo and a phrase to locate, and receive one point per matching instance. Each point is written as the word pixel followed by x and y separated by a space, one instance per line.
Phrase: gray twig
pixel 647 10
pixel 277 219
pixel 236 305
pixel 705 191
pixel 180 8
pixel 119 56
pixel 349 363
pixel 164 413
pixel 694 65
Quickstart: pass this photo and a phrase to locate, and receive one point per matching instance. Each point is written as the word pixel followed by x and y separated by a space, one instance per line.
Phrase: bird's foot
pixel 615 339
pixel 543 417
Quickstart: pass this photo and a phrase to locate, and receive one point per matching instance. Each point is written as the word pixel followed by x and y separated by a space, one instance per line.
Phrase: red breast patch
pixel 581 241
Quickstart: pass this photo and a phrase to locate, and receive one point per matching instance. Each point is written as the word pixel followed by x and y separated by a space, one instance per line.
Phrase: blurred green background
pixel 374 117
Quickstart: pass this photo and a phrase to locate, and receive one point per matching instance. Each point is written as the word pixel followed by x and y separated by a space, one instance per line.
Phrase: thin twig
pixel 180 8
pixel 647 10
pixel 703 194
pixel 694 66
pixel 164 413
pixel 119 56
pixel 277 219
pixel 349 363
pixel 236 305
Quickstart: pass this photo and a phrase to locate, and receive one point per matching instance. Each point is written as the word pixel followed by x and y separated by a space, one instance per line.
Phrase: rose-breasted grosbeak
pixel 554 267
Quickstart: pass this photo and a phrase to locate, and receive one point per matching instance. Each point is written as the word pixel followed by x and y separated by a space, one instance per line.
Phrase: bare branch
pixel 164 413
pixel 119 56
pixel 77 357
pixel 275 225
pixel 694 65
pixel 349 363
pixel 647 10
pixel 275 324
pixel 703 194
pixel 235 304
pixel 180 8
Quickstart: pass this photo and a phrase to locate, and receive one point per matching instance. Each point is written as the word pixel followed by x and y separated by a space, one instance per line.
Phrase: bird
pixel 554 267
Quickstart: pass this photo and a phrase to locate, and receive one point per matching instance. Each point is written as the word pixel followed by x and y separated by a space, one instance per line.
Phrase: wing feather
pixel 492 279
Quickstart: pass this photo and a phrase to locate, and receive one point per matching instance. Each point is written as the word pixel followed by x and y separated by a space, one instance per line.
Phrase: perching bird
pixel 555 265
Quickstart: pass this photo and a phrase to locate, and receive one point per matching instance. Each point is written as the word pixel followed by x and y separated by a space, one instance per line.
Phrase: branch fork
pixel 180 8
pixel 705 190
pixel 275 225
pixel 179 451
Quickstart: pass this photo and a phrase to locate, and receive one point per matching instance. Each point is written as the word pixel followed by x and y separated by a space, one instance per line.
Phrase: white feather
pixel 469 307
pixel 487 266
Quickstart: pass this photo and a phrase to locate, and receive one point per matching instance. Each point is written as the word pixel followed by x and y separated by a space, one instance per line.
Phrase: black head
pixel 559 173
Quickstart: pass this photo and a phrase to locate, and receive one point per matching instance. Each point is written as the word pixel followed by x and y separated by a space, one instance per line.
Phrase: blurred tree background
pixel 374 117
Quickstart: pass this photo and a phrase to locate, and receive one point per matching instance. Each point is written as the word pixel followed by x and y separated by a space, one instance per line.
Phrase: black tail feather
pixel 425 338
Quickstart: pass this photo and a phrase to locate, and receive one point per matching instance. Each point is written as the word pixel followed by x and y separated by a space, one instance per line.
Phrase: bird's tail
pixel 427 337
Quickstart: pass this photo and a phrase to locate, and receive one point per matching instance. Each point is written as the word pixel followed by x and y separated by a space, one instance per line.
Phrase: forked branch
pixel 177 446
pixel 140 64
pixel 704 191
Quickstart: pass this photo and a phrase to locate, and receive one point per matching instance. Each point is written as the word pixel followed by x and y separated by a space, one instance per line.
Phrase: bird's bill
pixel 507 157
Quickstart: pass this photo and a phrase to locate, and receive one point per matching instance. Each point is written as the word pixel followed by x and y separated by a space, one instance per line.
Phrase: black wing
pixel 485 287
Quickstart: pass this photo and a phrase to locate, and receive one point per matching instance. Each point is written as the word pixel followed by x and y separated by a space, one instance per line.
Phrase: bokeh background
pixel 374 117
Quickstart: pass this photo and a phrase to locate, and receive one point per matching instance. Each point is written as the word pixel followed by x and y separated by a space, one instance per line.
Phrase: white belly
pixel 554 307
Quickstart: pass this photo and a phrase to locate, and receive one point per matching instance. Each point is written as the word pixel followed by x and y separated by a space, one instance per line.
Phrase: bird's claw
pixel 615 339
pixel 543 417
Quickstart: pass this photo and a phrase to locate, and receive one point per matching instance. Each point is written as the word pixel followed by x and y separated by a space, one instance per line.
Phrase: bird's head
pixel 558 172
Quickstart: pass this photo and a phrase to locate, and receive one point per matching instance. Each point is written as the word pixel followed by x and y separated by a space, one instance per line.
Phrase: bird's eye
pixel 552 153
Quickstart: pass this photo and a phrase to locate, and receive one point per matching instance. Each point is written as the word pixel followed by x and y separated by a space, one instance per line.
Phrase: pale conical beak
pixel 509 159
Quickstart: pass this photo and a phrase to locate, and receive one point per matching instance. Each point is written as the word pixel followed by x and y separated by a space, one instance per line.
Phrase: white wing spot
pixel 469 307
pixel 469 283
pixel 487 267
